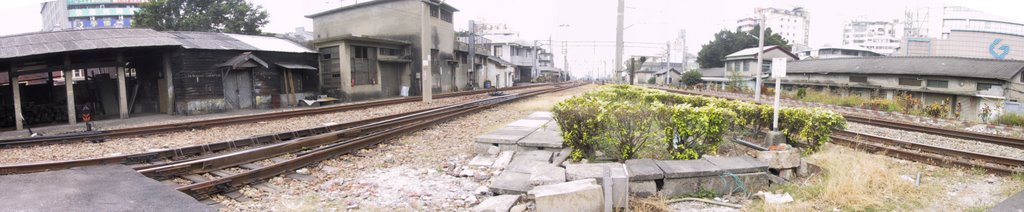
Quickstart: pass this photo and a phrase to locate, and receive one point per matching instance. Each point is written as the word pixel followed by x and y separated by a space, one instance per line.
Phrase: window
pixel 364 66
pixel 746 66
pixel 986 86
pixel 910 82
pixel 330 67
pixel 497 51
pixel 390 52
pixel 863 79
pixel 446 16
pixel 433 11
pixel 938 84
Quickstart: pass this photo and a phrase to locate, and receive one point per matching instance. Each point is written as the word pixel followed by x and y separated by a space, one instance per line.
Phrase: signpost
pixel 778 72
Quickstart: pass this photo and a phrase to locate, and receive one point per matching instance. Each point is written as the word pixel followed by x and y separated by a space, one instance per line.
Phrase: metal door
pixel 238 89
pixel 390 79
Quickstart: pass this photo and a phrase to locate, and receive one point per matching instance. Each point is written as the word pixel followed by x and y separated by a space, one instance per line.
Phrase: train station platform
pixel 94 188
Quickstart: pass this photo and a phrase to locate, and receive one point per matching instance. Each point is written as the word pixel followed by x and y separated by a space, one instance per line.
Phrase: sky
pixel 588 26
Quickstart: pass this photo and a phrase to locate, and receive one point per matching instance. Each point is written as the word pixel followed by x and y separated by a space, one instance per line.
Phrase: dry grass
pixel 650 204
pixel 856 181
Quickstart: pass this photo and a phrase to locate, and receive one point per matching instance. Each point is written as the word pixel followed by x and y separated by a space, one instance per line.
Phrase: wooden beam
pixel 69 87
pixel 16 87
pixel 122 93
pixel 169 80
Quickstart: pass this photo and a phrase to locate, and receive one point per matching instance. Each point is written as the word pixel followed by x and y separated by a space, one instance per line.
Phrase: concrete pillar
pixel 425 46
pixel 17 96
pixel 122 94
pixel 69 87
pixel 169 81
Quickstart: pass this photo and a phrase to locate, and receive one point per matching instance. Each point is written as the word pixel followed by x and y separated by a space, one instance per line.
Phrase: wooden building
pixel 117 73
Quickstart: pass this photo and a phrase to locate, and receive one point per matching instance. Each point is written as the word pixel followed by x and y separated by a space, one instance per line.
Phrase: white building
pixel 960 32
pixel 879 36
pixel 837 52
pixel 794 25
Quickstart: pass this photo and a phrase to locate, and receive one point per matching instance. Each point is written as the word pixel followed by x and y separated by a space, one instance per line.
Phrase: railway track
pixel 157 129
pixel 928 154
pixel 211 169
pixel 954 133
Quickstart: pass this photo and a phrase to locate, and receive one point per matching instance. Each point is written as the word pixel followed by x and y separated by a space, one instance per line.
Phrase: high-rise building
pixel 88 14
pixel 794 24
pixel 882 37
pixel 960 32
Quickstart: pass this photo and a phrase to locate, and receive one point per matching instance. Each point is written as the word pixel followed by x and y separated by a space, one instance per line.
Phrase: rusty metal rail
pixel 953 133
pixel 313 149
pixel 157 129
pixel 927 154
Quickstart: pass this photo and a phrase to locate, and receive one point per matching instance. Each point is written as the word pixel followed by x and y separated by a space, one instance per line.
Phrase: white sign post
pixel 778 72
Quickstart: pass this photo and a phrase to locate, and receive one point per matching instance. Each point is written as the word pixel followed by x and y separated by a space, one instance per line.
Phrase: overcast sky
pixel 651 21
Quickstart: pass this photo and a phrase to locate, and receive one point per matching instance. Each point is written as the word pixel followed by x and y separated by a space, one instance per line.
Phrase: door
pixel 391 79
pixel 238 89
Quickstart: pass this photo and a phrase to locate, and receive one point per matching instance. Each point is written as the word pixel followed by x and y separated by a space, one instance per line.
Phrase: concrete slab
pixel 581 195
pixel 505 135
pixel 643 188
pixel 1014 203
pixel 736 165
pixel 726 184
pixel 543 138
pixel 482 160
pixel 93 188
pixel 500 203
pixel 525 165
pixel 509 182
pixel 560 156
pixel 780 159
pixel 600 171
pixel 687 168
pixel 679 186
pixel 547 174
pixel 539 155
pixel 531 123
pixel 503 159
pixel 644 170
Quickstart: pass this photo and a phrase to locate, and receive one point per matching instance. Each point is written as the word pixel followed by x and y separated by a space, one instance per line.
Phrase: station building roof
pixel 40 43
pixel 921 66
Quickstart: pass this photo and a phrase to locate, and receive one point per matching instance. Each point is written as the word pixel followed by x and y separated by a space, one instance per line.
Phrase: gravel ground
pixel 121 146
pixel 941 141
pixel 422 171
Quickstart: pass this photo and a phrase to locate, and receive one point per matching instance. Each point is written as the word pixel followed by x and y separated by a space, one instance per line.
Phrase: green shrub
pixel 581 121
pixel 1011 119
pixel 882 105
pixel 693 132
pixel 938 109
pixel 629 125
pixel 652 80
pixel 801 92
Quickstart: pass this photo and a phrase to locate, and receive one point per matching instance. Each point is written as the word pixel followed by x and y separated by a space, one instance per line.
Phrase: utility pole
pixel 760 51
pixel 686 61
pixel 668 61
pixel 536 59
pixel 472 51
pixel 425 45
pixel 618 40
pixel 565 57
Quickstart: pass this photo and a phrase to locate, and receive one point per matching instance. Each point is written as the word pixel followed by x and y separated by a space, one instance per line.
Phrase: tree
pixel 727 42
pixel 691 77
pixel 231 16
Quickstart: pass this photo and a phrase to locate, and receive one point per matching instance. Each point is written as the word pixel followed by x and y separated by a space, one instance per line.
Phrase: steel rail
pixel 157 129
pixel 340 147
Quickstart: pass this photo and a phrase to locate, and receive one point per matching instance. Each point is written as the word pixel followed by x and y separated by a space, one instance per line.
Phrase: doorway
pixel 238 89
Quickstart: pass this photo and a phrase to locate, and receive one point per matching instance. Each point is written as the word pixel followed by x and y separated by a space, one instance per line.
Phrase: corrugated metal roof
pixel 79 40
pixel 271 44
pixel 295 66
pixel 65 41
pixel 922 66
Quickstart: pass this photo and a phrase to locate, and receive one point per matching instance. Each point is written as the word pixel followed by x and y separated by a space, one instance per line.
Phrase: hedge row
pixel 627 117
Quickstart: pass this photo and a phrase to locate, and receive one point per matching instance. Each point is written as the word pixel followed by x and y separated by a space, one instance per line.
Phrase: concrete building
pixel 972 83
pixel 837 52
pixel 960 32
pixel 882 37
pixel 741 65
pixel 88 14
pixel 507 45
pixel 792 24
pixel 379 48
pixel 126 72
pixel 652 70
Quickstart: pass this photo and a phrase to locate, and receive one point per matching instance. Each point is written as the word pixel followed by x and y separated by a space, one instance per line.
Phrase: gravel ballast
pixel 940 141
pixel 132 145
